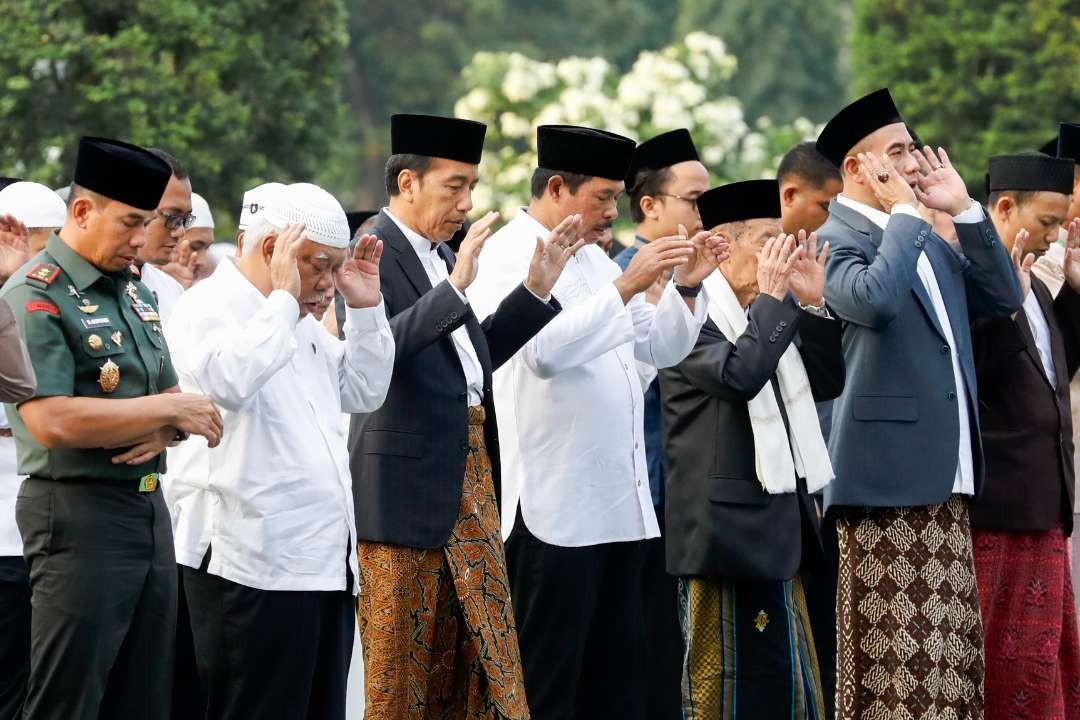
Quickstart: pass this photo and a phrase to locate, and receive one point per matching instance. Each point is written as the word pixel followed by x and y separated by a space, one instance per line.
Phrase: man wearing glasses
pixel 164 230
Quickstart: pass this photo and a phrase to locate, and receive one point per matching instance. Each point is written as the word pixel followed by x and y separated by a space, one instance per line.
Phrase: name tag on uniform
pixel 96 322
pixel 145 311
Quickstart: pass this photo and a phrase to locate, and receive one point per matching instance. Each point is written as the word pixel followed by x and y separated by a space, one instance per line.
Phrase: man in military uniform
pixel 96 532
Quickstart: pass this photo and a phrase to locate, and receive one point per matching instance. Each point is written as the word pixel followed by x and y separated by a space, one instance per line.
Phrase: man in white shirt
pixel 905 439
pixel 265 531
pixel 163 233
pixel 37 207
pixel 576 504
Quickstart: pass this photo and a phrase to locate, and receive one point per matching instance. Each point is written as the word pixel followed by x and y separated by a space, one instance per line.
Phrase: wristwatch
pixel 689 292
pixel 819 310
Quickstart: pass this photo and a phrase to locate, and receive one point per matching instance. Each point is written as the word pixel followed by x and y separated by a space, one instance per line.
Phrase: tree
pixel 980 77
pixel 791 59
pixel 240 91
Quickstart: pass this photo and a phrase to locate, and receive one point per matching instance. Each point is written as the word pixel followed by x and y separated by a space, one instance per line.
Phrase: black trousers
pixel 819 582
pixel 267 654
pixel 14 636
pixel 103 588
pixel 581 627
pixel 189 697
pixel 663 633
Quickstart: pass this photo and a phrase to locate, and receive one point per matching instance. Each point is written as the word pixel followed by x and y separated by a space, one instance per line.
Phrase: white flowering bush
pixel 683 85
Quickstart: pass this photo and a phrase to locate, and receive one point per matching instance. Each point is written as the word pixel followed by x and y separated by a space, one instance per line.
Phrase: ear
pixel 267 249
pixel 647 203
pixel 555 186
pixel 407 183
pixel 851 169
pixel 787 194
pixel 1004 206
pixel 80 210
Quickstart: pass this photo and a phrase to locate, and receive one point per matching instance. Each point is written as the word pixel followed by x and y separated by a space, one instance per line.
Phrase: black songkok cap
pixel 747 200
pixel 584 151
pixel 121 171
pixel 662 151
pixel 357 218
pixel 5 181
pixel 1031 171
pixel 1049 147
pixel 1068 142
pixel 434 136
pixel 855 122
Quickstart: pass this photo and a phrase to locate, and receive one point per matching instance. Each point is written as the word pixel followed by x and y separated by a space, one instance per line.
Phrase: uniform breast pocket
pixel 103 343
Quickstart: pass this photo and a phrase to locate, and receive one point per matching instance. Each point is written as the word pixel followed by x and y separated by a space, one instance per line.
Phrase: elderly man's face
pixel 442 198
pixel 198 240
pixel 317 264
pixel 746 240
pixel 597 201
pixel 160 240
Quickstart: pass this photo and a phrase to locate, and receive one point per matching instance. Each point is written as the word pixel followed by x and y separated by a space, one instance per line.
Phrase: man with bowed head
pixel 905 437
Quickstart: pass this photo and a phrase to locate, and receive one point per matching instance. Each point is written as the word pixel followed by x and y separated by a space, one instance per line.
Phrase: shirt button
pixel 783 323
pixel 639 483
pixel 626 366
pixel 952 395
pixel 635 446
pixel 918 243
pixel 944 349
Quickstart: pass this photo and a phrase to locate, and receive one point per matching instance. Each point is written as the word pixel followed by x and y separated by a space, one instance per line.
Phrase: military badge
pixel 109 378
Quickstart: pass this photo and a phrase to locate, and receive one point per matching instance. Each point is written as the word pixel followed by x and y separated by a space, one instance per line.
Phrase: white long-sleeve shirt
pixel 274 499
pixel 570 405
pixel 166 290
pixel 10 480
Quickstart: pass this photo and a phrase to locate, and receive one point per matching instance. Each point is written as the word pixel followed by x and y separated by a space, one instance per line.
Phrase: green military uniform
pixel 97 536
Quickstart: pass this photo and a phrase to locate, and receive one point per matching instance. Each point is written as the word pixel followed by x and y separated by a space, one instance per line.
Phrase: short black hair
pixel 647 182
pixel 175 165
pixel 806 162
pixel 419 164
pixel 1019 196
pixel 541 176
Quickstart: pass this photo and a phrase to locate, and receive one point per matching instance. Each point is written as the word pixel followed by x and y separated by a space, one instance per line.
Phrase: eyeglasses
pixel 692 201
pixel 173 222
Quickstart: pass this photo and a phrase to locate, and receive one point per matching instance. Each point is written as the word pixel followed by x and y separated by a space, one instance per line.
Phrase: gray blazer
pixel 895 432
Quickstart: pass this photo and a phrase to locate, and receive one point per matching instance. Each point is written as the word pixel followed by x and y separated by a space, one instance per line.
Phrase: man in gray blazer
pixel 905 437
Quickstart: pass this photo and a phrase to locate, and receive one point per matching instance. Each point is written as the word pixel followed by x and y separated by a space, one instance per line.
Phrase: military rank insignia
pixel 44 273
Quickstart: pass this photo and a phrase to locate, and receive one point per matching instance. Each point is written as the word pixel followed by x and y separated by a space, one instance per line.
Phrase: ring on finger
pixel 883 176
pixel 940 167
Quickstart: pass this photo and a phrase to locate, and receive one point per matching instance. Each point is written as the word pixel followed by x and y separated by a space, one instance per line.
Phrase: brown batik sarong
pixel 909 633
pixel 437 626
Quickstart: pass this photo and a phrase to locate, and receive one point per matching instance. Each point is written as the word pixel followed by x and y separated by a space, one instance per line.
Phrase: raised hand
pixel 1022 263
pixel 181 265
pixel 939 186
pixel 358 277
pixel 807 280
pixel 1071 264
pixel 703 260
pixel 656 290
pixel 885 181
pixel 14 246
pixel 468 255
pixel 552 254
pixel 284 274
pixel 663 254
pixel 775 261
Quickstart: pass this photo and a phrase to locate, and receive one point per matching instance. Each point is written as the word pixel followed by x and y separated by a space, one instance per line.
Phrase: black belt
pixel 146 484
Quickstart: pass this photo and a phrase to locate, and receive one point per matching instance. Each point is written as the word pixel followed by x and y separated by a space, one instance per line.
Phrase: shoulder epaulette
pixel 42 275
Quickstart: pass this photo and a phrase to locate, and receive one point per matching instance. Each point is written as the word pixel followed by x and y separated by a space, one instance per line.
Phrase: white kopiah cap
pixel 33 204
pixel 321 214
pixel 255 201
pixel 201 210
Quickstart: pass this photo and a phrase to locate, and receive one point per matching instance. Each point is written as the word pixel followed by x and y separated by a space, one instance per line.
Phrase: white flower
pixel 513 125
pixel 754 149
pixel 632 93
pixel 475 105
pixel 52 153
pixel 668 113
pixel 689 93
pixel 483 198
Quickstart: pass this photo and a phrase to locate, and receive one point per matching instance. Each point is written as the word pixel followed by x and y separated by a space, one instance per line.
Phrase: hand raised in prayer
pixel 284 274
pixel 775 263
pixel 667 253
pixel 807 281
pixel 468 255
pixel 181 265
pixel 939 186
pixel 1071 264
pixel 552 254
pixel 14 246
pixel 703 260
pixel 1022 263
pixel 885 181
pixel 358 277
pixel 656 290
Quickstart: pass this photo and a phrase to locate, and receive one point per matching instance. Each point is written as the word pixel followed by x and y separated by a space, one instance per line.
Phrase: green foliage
pixel 240 91
pixel 790 53
pixel 980 77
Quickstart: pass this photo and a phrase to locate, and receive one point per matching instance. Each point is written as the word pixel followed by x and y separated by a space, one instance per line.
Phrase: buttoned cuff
pixel 367 319
pixel 459 293
pixel 905 209
pixel 284 306
pixel 974 214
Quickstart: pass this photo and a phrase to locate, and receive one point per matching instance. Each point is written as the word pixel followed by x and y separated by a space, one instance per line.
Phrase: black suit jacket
pixel 408 457
pixel 719 520
pixel 1026 423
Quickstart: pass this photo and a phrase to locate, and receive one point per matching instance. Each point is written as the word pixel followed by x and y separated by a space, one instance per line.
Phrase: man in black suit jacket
pixel 736 537
pixel 1023 517
pixel 435 616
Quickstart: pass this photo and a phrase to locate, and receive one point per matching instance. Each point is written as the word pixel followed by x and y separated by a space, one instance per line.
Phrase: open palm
pixel 358 278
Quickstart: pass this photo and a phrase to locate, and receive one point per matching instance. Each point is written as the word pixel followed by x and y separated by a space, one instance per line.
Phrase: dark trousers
pixel 663 634
pixel 103 588
pixel 267 654
pixel 581 627
pixel 14 636
pixel 819 581
pixel 189 697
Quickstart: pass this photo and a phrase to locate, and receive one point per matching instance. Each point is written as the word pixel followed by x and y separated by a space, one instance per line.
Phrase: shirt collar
pixel 640 242
pixel 420 244
pixel 878 217
pixel 524 216
pixel 81 271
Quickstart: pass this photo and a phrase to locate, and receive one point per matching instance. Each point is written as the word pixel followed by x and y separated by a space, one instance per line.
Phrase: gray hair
pixel 257 232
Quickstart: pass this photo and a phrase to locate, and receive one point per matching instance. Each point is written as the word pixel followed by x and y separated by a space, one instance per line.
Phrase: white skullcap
pixel 33 204
pixel 201 210
pixel 321 214
pixel 255 200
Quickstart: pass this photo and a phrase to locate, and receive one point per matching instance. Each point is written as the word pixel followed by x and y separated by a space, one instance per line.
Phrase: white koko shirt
pixel 569 404
pixel 166 289
pixel 10 480
pixel 964 483
pixel 274 499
